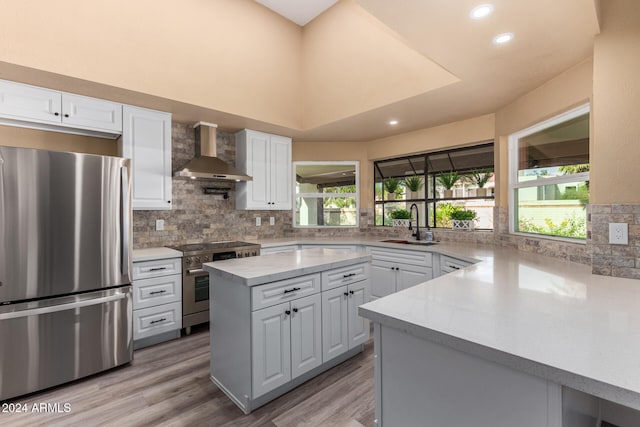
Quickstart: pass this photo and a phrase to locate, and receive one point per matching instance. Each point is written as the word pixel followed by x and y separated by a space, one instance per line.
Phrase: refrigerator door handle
pixel 126 221
pixel 61 307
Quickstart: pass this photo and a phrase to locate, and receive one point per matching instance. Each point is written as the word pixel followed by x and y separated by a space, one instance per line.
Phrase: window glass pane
pixel 326 211
pixel 326 194
pixel 557 210
pixel 482 208
pixel 558 150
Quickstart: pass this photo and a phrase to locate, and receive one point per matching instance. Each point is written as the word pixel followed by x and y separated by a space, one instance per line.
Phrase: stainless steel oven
pixel 195 281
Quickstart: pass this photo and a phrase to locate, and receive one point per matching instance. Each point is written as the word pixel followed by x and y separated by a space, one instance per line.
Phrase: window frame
pixel 355 195
pixel 515 185
pixel 430 178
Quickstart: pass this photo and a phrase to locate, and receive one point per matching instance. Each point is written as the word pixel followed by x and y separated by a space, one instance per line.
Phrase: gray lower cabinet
pixel 267 339
pixel 286 342
pixel 342 328
pixel 157 301
pixel 394 270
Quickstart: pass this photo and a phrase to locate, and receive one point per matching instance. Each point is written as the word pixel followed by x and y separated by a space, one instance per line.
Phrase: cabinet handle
pixel 286 291
pixel 397 268
pixel 349 275
pixel 157 268
pixel 56 114
pixel 351 292
pixel 346 294
pixel 158 292
pixel 295 310
pixel 168 201
pixel 157 321
pixel 66 115
pixel 287 312
pixel 454 267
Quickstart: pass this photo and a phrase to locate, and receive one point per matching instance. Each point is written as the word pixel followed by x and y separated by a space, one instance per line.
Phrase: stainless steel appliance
pixel 195 281
pixel 65 294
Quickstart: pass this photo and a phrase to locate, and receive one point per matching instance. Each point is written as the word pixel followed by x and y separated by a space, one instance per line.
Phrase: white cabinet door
pixel 306 334
pixel 271 348
pixel 266 158
pixel 280 160
pixel 335 324
pixel 146 140
pixel 24 102
pixel 258 190
pixel 383 278
pixel 91 113
pixel 358 326
pixel 410 275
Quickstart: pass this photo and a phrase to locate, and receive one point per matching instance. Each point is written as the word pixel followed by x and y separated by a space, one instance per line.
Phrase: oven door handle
pixel 196 271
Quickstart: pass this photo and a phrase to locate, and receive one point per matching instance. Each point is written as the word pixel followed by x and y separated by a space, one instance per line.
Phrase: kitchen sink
pixel 411 242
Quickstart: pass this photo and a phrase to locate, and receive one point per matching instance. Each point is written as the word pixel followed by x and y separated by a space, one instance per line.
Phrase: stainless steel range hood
pixel 206 165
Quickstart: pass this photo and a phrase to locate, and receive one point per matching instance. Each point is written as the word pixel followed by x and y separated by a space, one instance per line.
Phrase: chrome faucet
pixel 417 233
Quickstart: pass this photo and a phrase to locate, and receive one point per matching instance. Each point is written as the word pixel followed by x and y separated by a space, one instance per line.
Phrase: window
pixel 326 194
pixel 460 178
pixel 549 176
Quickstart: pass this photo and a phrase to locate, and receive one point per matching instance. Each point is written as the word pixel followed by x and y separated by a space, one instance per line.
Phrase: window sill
pixel 545 237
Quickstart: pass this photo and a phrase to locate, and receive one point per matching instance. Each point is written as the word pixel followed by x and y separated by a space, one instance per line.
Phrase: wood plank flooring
pixel 168 385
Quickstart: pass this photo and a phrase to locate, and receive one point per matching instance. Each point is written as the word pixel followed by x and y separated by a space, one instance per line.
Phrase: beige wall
pixel 460 133
pixel 567 90
pixel 31 138
pixel 234 56
pixel 615 149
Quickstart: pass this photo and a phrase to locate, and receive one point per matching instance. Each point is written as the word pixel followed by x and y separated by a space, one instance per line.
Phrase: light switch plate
pixel 618 233
pixel 258 221
pixel 272 220
pixel 159 224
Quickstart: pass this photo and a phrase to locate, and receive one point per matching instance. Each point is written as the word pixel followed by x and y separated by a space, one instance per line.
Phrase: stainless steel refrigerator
pixel 65 293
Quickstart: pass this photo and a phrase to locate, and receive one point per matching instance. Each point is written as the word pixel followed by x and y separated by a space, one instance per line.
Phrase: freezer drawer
pixel 50 342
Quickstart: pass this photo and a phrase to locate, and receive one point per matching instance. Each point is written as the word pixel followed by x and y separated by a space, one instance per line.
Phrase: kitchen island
pixel 278 320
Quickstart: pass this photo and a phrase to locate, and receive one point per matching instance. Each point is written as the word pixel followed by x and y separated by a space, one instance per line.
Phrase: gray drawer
pixel 344 276
pixel 284 290
pixel 157 291
pixel 156 268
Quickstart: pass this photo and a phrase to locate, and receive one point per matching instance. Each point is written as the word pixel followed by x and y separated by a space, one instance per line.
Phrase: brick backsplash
pixel 198 217
pixel 615 260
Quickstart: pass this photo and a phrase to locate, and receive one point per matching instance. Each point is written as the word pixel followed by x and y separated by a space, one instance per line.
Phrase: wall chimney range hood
pixel 206 165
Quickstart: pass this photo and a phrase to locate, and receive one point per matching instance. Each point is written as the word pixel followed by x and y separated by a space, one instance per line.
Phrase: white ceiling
pixel 299 11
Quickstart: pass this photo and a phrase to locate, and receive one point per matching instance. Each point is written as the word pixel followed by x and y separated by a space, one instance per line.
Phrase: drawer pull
pixel 286 291
pixel 346 276
pixel 454 267
pixel 157 268
pixel 153 322
pixel 158 292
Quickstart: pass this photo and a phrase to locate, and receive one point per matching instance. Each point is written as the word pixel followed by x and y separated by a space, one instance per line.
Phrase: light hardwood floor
pixel 168 385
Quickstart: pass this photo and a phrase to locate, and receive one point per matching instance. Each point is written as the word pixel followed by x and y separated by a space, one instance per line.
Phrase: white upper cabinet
pixel 40 108
pixel 146 140
pixel 91 113
pixel 24 102
pixel 266 158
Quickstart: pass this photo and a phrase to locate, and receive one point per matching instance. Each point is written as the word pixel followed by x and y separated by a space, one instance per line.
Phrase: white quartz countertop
pixel 543 316
pixel 279 266
pixel 154 253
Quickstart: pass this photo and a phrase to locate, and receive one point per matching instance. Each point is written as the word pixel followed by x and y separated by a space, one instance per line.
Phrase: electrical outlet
pixel 619 233
pixel 258 222
pixel 272 220
pixel 159 224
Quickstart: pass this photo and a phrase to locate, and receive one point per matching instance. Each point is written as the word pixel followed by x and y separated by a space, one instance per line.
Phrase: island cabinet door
pixel 271 348
pixel 411 275
pixel 358 326
pixel 335 339
pixel 306 334
pixel 383 278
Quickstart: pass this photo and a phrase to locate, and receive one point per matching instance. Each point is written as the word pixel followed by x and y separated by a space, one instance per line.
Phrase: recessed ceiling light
pixel 481 11
pixel 503 38
pixel 393 122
